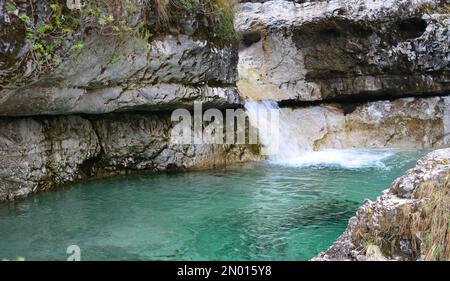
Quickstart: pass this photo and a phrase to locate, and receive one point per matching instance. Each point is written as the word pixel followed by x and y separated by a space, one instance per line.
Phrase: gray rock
pixel 407 123
pixel 115 73
pixel 54 124
pixel 41 153
pixel 168 73
pixel 391 216
pixel 338 50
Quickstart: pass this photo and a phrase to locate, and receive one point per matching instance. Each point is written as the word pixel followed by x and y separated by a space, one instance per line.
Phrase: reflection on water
pixel 259 211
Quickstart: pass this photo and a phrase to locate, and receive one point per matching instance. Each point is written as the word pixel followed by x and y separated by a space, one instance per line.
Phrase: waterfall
pixel 286 141
pixel 278 134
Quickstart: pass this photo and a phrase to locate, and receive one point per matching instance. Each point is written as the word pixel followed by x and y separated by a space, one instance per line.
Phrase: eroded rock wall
pixel 105 109
pixel 111 76
pixel 40 153
pixel 343 50
pixel 403 123
pixel 385 62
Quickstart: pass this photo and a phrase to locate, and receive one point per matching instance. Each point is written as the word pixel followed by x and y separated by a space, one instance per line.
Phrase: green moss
pixel 218 13
pixel 63 30
pixel 11 8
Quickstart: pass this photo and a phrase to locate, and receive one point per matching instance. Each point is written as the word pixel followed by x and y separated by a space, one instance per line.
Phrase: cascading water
pixel 285 141
pixel 276 131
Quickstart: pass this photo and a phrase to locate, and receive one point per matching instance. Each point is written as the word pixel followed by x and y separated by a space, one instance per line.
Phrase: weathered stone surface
pixel 409 122
pixel 339 50
pixel 142 142
pixel 405 123
pixel 40 153
pixel 44 143
pixel 107 77
pixel 392 215
pixel 115 73
pixel 306 127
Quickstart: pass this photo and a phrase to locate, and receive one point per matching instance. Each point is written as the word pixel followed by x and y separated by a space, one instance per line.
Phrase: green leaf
pixel 78 46
pixel 25 18
pixel 38 47
pixel 54 7
pixel 102 21
pixel 11 8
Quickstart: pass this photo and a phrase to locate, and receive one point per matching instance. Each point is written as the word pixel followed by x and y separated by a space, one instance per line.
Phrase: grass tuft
pixel 432 223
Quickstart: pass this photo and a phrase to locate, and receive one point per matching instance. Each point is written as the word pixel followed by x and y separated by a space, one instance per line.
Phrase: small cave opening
pixel 251 38
pixel 412 28
pixel 348 107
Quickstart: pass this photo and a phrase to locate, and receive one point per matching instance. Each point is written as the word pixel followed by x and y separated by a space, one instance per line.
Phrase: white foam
pixel 345 158
pixel 295 150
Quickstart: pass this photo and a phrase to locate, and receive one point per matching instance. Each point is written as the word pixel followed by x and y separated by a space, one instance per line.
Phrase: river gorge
pixel 360 89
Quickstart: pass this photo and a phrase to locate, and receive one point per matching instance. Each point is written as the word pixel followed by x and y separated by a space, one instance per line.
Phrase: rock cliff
pixel 402 123
pixel 115 73
pixel 38 153
pixel 99 103
pixel 358 73
pixel 340 50
pixel 350 73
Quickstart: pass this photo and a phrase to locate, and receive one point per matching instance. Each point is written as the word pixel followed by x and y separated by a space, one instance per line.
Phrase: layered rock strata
pixel 343 50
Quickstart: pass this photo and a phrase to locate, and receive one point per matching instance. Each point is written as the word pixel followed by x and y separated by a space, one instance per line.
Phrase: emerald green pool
pixel 257 211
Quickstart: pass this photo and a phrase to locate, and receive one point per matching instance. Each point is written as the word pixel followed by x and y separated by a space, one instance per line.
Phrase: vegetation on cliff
pixel 57 28
pixel 410 221
pixel 425 225
pixel 433 220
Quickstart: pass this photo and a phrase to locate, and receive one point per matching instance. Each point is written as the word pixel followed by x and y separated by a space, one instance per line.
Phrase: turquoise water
pixel 257 211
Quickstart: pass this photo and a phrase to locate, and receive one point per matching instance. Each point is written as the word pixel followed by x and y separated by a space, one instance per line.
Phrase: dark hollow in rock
pixel 411 28
pixel 250 38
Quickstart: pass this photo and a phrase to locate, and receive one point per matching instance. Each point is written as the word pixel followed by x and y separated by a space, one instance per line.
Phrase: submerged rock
pixel 409 221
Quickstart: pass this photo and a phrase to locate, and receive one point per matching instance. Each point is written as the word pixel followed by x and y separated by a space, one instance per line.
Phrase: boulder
pixel 409 221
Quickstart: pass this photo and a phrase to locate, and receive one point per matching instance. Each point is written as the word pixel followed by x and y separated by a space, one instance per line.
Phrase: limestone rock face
pixel 115 73
pixel 108 77
pixel 407 123
pixel 339 50
pixel 40 153
pixel 78 119
pixel 37 154
pixel 143 142
pixel 399 217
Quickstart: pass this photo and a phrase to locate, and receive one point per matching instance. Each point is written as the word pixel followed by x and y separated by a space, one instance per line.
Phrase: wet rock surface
pixel 37 154
pixel 407 123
